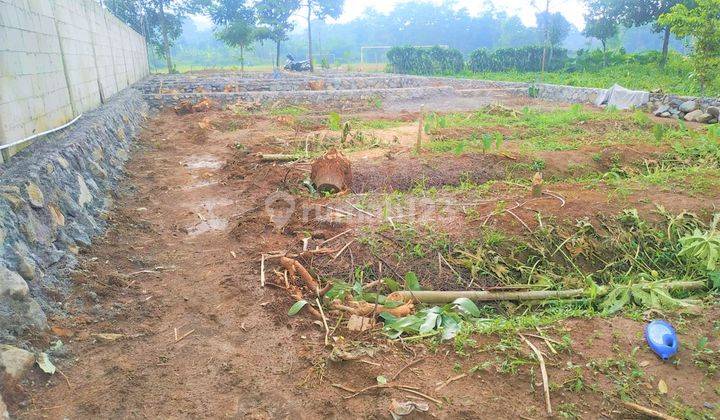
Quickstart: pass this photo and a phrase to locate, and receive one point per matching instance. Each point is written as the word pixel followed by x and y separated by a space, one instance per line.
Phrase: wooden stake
pixel 262 270
pixel 537 184
pixel 421 125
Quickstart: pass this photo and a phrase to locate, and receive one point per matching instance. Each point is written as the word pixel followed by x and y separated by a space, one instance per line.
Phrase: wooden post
pixel 537 185
pixel 421 124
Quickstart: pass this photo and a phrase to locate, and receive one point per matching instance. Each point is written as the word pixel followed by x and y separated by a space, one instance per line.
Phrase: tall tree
pixel 557 27
pixel 224 12
pixel 601 23
pixel 159 20
pixel 274 18
pixel 641 12
pixel 702 23
pixel 235 24
pixel 239 34
pixel 320 9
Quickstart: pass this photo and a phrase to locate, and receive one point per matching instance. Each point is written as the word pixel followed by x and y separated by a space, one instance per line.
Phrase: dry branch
pixel 543 372
pixel 647 411
pixel 449 381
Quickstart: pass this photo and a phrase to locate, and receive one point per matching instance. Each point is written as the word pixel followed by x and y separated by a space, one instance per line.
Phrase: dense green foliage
pixel 519 59
pixel 160 21
pixel 636 71
pixel 702 24
pixel 425 61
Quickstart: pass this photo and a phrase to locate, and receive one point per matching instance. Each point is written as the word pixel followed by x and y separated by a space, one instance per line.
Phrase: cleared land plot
pixel 178 273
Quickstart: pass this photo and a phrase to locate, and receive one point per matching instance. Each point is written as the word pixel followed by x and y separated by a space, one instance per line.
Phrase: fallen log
pixel 485 296
pixel 278 157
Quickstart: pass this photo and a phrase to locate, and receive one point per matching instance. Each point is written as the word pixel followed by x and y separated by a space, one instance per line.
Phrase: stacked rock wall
pixel 688 108
pixel 53 196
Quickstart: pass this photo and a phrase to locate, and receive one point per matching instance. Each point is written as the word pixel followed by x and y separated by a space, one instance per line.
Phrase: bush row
pixel 519 59
pixel 425 61
pixel 436 60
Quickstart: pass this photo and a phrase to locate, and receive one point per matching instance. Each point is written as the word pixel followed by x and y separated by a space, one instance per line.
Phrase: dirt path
pixel 177 219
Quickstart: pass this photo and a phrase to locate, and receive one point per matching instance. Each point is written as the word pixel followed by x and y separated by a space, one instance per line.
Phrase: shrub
pixel 527 58
pixel 424 61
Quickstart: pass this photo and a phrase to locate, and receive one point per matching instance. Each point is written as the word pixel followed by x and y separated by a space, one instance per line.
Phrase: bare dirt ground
pixel 177 277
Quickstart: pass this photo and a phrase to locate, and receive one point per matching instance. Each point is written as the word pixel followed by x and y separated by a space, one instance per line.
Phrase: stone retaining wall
pixel 321 87
pixel 231 84
pixel 307 96
pixel 689 108
pixel 53 196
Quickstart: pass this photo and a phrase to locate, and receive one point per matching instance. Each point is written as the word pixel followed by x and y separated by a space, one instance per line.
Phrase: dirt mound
pixel 405 172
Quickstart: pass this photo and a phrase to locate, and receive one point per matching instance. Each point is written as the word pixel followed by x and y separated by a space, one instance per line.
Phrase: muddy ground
pixel 177 277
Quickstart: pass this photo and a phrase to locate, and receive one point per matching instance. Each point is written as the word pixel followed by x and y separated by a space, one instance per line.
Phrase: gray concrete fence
pixel 59 59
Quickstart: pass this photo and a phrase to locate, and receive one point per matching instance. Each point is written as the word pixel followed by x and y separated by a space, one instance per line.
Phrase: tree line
pixel 238 23
pixel 241 24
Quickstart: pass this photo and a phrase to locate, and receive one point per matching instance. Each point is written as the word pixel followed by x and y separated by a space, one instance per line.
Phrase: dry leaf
pixel 662 387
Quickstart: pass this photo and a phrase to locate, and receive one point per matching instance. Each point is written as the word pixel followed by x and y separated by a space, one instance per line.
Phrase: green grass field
pixel 676 78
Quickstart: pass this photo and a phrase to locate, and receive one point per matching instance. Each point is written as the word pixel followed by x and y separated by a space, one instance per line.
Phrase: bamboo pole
pixel 421 124
pixel 278 157
pixel 485 296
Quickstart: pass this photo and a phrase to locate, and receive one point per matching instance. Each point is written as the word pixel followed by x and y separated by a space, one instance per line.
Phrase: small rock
pixel 84 196
pixel 11 284
pixel 4 415
pixel 108 337
pixel 57 215
pixel 714 111
pixel 26 268
pixel 666 115
pixel 693 116
pixel 661 110
pixel 674 111
pixel 35 195
pixel 64 163
pixel 13 199
pixel 704 118
pixel 688 106
pixel 713 121
pixel 15 362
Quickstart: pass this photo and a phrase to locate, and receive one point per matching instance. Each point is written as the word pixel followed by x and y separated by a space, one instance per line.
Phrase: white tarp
pixel 622 98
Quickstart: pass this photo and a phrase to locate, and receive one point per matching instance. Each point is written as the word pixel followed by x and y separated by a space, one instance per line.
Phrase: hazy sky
pixel 525 9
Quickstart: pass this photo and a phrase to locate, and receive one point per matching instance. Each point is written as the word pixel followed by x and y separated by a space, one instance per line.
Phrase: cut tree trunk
pixel 166 39
pixel 277 54
pixel 666 46
pixel 310 51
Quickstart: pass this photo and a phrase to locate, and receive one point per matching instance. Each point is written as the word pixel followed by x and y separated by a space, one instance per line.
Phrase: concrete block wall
pixel 58 59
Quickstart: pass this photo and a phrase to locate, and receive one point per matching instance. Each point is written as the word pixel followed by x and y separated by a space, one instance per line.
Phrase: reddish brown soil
pixel 202 339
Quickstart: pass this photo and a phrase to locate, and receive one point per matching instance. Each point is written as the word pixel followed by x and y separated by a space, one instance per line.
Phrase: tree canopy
pixel 702 24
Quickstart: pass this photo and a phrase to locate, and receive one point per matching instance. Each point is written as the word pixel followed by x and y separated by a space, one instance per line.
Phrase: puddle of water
pixel 215 202
pixel 201 184
pixel 209 225
pixel 203 162
pixel 211 222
